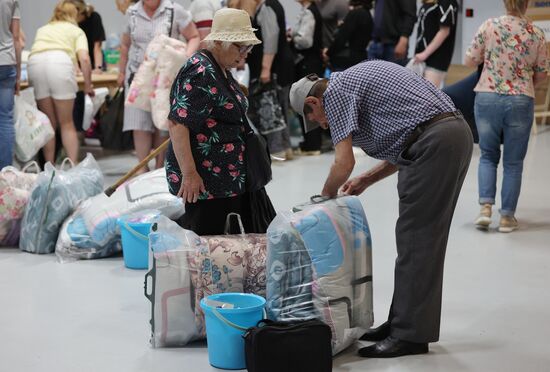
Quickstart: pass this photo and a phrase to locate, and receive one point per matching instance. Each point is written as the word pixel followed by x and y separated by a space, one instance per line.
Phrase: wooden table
pixel 104 80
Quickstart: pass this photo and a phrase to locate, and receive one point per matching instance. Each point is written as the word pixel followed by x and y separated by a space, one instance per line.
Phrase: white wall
pixel 483 9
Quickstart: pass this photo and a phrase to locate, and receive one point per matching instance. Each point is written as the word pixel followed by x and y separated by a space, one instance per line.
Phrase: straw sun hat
pixel 232 25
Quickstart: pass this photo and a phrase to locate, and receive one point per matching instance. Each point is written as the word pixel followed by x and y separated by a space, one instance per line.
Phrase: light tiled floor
pixel 92 316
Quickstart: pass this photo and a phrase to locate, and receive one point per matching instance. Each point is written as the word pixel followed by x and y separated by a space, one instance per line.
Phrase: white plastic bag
pixel 148 191
pixel 32 130
pixel 417 68
pixel 88 112
pixel 92 106
pixel 169 288
pixel 75 243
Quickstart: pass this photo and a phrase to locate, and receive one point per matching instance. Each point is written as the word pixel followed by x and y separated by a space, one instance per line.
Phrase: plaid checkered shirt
pixel 380 104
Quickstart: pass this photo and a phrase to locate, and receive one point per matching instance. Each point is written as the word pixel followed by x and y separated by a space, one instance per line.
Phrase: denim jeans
pixel 384 51
pixel 7 131
pixel 507 119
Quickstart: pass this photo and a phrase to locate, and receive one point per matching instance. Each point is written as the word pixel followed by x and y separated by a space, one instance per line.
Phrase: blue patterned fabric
pixel 55 196
pixel 379 104
pixel 290 275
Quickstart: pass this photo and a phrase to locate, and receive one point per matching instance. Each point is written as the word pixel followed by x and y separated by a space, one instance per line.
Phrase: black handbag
pixel 258 160
pixel 301 346
pixel 111 125
pixel 266 111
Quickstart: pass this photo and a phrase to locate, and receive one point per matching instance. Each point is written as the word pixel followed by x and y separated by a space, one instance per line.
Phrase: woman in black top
pixel 90 22
pixel 352 38
pixel 205 163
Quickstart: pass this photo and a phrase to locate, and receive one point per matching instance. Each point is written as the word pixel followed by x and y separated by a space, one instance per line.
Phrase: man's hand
pixel 17 87
pixel 344 161
pixel 356 185
pixel 191 187
pixel 400 50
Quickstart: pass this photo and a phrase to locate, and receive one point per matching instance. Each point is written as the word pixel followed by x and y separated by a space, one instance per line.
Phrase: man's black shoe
pixel 377 334
pixel 392 347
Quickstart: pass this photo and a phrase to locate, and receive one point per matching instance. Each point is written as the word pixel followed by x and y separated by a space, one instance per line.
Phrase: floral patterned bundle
pixel 227 263
pixel 15 190
pixel 150 87
pixel 187 267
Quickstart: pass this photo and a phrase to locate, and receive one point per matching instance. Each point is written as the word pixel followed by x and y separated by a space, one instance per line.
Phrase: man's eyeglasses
pixel 244 49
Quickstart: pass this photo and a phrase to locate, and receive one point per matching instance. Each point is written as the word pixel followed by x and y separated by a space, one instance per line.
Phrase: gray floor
pixel 92 316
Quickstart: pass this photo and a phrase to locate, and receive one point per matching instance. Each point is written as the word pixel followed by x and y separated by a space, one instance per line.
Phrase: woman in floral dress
pixel 514 54
pixel 205 164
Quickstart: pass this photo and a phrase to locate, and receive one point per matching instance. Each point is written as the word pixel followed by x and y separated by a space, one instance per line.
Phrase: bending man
pixel 397 117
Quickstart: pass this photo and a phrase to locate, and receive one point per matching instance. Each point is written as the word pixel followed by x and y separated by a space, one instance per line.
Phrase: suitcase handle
pixel 150 274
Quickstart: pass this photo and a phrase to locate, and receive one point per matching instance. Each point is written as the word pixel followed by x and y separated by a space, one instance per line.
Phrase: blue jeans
pixel 508 119
pixel 7 130
pixel 384 51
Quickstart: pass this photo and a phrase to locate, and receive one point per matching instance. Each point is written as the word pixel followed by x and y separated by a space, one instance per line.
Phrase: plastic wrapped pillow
pixel 55 196
pixel 320 266
pixel 148 191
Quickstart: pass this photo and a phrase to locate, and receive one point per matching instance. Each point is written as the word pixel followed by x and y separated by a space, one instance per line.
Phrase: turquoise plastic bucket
pixel 135 243
pixel 225 327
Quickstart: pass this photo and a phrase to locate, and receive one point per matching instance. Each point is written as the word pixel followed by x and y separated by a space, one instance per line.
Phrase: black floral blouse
pixel 202 101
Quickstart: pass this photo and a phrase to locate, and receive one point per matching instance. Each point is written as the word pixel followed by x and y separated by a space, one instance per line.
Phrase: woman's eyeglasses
pixel 244 49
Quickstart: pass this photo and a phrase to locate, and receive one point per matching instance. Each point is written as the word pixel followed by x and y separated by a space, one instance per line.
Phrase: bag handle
pixel 29 165
pixel 64 162
pixel 228 223
pixel 150 274
pixel 134 232
pixel 317 199
pixel 230 323
pixel 9 168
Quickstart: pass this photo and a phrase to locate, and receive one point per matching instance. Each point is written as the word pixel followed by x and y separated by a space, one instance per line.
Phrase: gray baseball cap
pixel 298 94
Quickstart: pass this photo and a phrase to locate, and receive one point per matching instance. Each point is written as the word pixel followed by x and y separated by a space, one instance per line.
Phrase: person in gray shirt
pixel 333 13
pixel 10 73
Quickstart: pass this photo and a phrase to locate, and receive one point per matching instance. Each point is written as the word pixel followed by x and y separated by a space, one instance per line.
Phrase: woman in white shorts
pixel 145 20
pixel 51 70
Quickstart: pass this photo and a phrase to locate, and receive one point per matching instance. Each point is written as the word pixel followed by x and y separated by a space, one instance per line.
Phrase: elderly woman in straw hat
pixel 205 164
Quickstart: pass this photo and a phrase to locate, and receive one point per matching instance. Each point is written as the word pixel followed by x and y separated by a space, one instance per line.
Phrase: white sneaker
pixel 484 219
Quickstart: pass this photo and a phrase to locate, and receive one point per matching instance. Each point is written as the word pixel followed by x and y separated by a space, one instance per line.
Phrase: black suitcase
pixel 301 346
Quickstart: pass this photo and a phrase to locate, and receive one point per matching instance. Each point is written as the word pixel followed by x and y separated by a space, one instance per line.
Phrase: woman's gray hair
pixel 211 44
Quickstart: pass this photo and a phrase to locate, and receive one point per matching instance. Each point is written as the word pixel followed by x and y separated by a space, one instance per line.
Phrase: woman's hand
pixel 324 55
pixel 121 78
pixel 356 185
pixel 265 76
pixel 191 187
pixel 89 90
pixel 420 57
